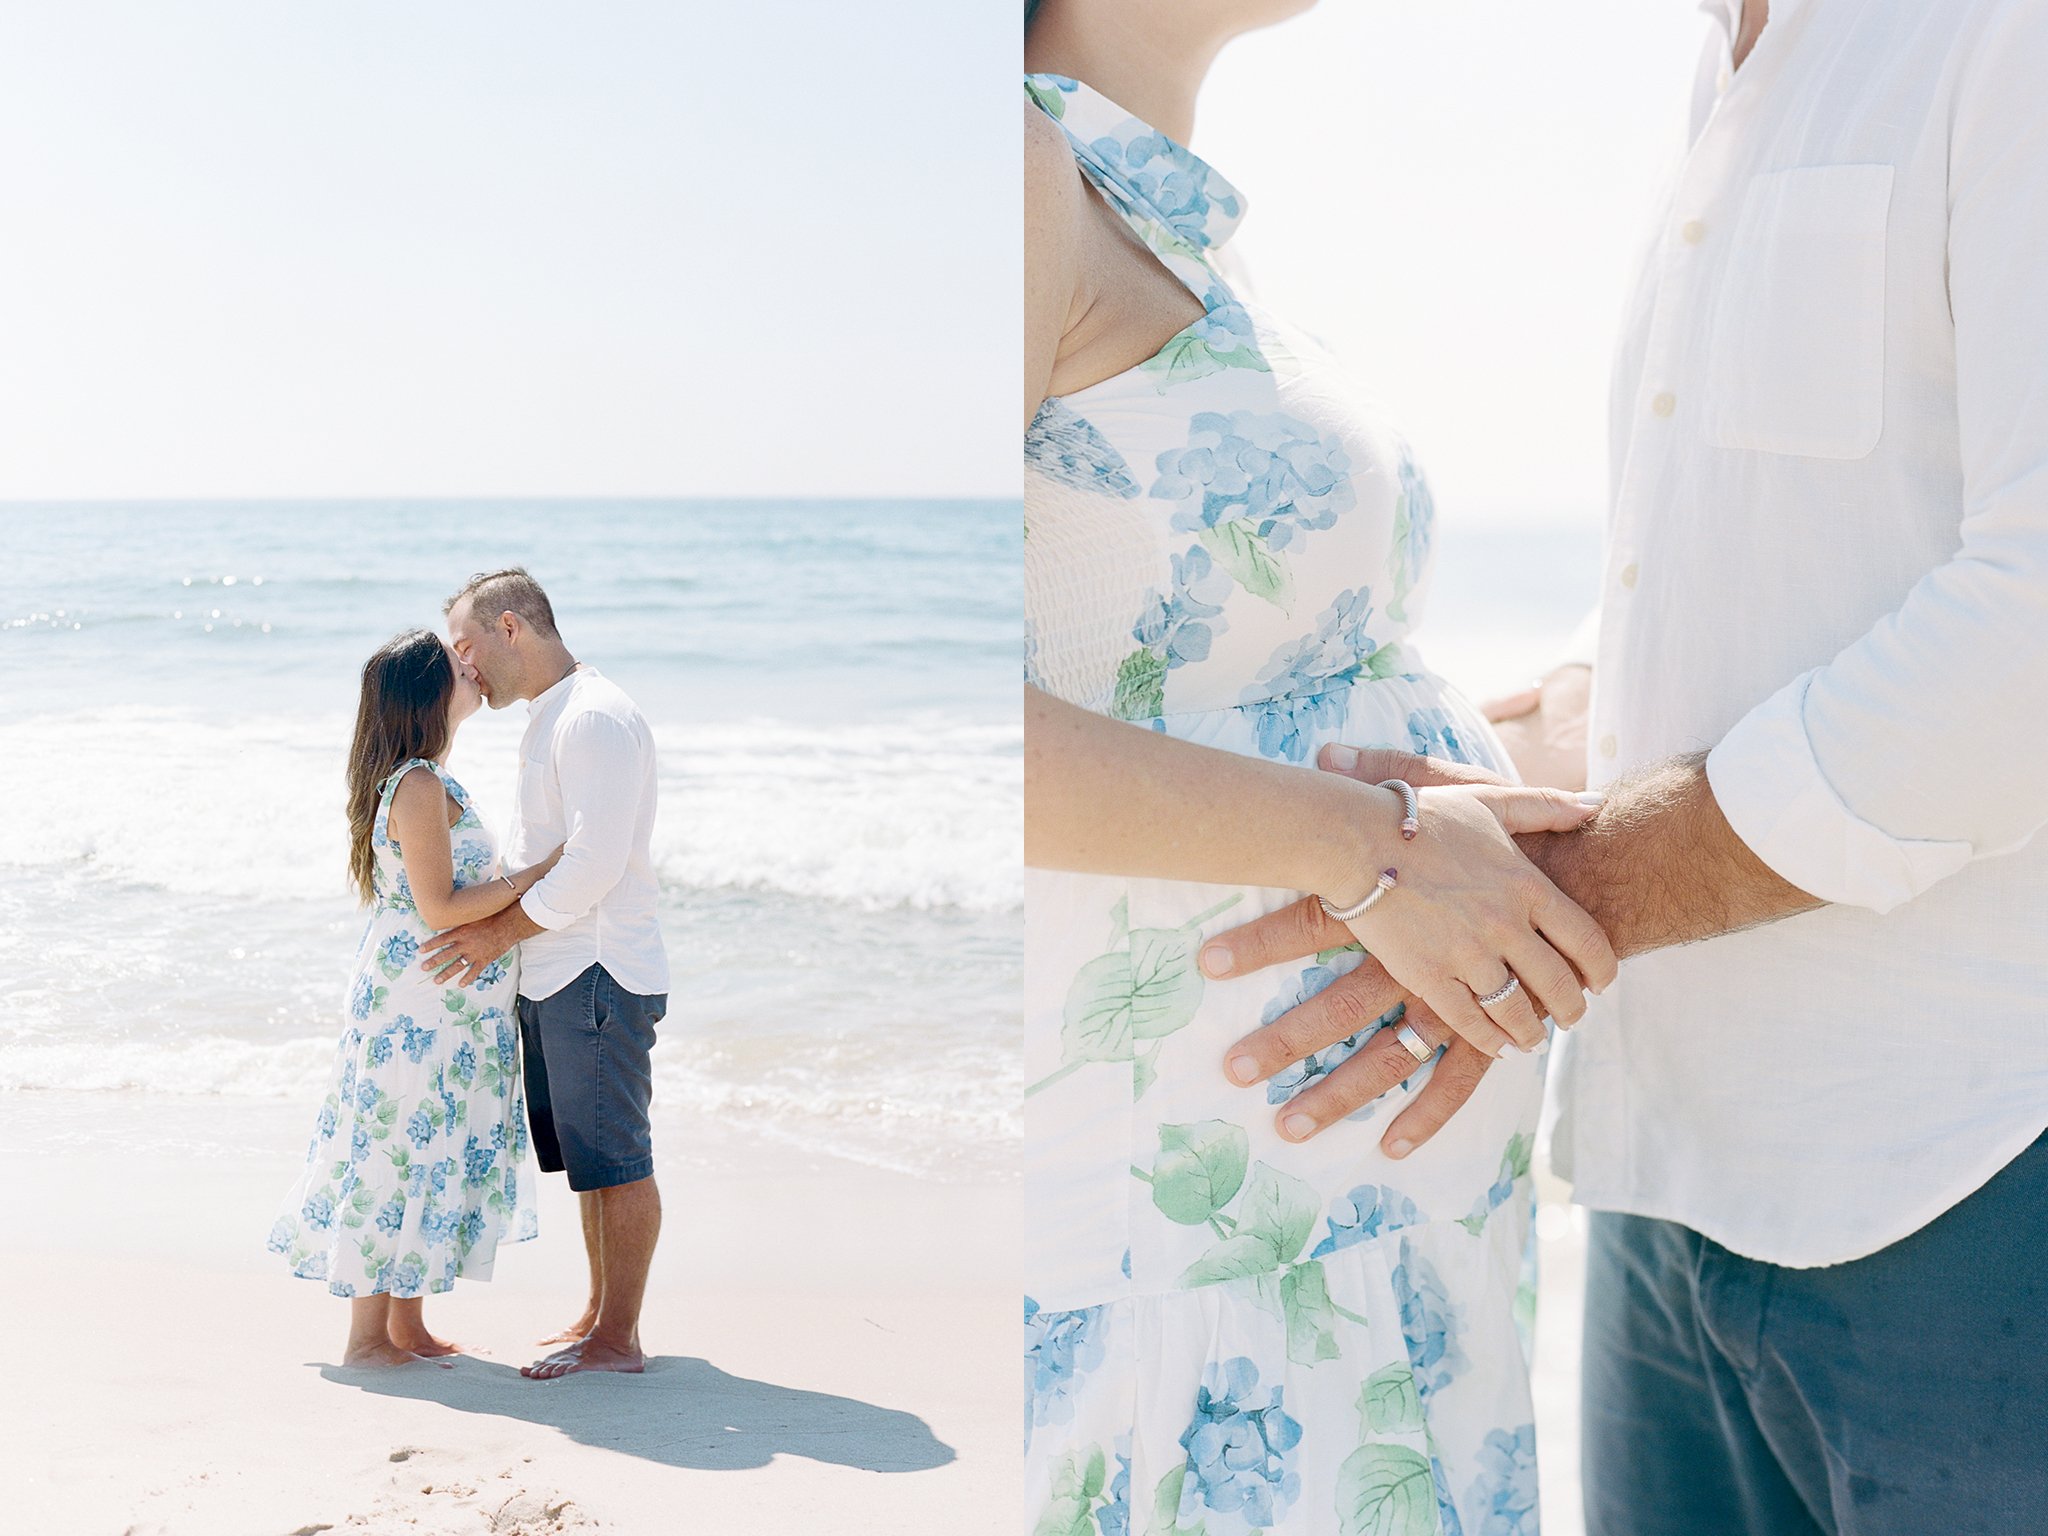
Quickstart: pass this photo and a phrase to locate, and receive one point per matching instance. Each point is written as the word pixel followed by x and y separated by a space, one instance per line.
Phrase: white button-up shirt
pixel 587 780
pixel 1828 562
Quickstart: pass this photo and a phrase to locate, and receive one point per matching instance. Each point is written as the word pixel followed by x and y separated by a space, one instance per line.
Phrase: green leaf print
pixel 1190 356
pixel 1279 1210
pixel 1515 1162
pixel 1140 687
pixel 1388 1403
pixel 1240 551
pixel 1076 1483
pixel 1051 100
pixel 1235 1258
pixel 1199 1170
pixel 1145 988
pixel 1386 1490
pixel 1388 661
pixel 1166 1508
pixel 1325 956
pixel 1311 1320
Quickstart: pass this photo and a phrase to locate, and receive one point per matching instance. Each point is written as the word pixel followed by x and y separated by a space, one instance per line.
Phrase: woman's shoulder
pixel 418 786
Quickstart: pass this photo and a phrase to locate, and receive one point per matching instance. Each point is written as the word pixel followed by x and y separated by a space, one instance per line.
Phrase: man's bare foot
pixel 383 1352
pixel 422 1343
pixel 586 1355
pixel 575 1333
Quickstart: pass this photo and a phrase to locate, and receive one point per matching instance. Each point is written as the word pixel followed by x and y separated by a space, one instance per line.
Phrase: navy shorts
pixel 588 1082
pixel 1902 1394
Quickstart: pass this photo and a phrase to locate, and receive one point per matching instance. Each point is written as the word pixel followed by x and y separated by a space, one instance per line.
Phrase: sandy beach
pixel 822 1359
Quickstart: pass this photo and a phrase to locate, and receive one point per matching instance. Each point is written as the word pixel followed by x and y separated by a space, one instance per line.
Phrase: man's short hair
pixel 491 593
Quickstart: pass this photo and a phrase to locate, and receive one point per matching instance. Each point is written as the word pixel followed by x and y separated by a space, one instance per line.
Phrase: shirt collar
pixel 1729 13
pixel 1147 171
pixel 554 692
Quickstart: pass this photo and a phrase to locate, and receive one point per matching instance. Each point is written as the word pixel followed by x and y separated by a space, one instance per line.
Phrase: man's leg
pixel 632 1223
pixel 1668 1444
pixel 592 1212
pixel 1914 1383
pixel 608 1147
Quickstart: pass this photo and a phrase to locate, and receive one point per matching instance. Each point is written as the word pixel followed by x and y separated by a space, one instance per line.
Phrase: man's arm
pixel 598 762
pixel 1658 866
pixel 1919 747
pixel 595 756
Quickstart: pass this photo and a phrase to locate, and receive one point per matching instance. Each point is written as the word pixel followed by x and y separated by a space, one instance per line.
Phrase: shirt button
pixel 1628 576
pixel 1609 746
pixel 1664 405
pixel 1693 231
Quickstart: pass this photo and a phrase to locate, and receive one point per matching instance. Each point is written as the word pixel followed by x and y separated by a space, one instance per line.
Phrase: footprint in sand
pixel 457 1500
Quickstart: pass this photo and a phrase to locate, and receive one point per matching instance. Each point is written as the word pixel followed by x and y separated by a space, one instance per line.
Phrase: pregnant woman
pixel 1231 1327
pixel 417 1168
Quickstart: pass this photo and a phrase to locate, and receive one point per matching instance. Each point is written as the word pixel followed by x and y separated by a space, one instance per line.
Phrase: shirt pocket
pixel 1796 359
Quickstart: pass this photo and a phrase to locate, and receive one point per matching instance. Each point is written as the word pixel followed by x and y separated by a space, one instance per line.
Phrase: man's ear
pixel 508 621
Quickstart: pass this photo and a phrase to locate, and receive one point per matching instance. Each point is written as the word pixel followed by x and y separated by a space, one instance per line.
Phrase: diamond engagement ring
pixel 1386 883
pixel 1514 985
pixel 1418 1047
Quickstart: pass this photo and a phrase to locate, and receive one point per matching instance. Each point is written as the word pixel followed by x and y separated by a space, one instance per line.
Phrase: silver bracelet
pixel 1387 880
pixel 508 883
pixel 1411 807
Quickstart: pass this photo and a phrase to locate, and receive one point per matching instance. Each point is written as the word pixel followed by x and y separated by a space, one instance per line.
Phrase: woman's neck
pixel 1155 76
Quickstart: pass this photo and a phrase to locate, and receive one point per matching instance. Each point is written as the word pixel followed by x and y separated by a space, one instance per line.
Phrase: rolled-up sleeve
pixel 598 760
pixel 1924 745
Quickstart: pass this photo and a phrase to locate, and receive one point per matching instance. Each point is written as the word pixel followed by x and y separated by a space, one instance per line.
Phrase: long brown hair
pixel 403 714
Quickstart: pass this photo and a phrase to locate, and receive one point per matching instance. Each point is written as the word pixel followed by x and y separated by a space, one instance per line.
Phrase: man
pixel 593 977
pixel 1818 1283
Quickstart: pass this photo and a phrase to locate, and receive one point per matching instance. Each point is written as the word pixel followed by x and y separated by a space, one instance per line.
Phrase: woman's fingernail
pixel 1592 797
pixel 1341 758
pixel 1298 1127
pixel 1507 1049
pixel 1215 960
pixel 1400 1146
pixel 1244 1069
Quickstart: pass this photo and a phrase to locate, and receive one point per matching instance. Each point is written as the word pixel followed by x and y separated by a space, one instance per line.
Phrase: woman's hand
pixel 1469 914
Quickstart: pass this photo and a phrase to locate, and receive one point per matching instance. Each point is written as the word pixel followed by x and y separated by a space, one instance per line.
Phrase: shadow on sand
pixel 683 1412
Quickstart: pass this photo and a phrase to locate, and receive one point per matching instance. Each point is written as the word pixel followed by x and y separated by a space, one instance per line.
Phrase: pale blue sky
pixel 1453 194
pixel 637 247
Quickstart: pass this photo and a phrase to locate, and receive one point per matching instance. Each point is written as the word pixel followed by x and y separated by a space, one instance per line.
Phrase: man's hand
pixel 1544 727
pixel 458 956
pixel 1660 866
pixel 1352 1003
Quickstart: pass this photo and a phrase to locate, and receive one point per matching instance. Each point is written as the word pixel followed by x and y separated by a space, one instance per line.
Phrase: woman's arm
pixel 1468 910
pixel 419 824
pixel 1052 222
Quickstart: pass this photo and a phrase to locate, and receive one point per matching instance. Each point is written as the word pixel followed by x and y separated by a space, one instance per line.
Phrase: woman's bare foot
pixel 586 1355
pixel 405 1325
pixel 424 1344
pixel 379 1352
pixel 576 1332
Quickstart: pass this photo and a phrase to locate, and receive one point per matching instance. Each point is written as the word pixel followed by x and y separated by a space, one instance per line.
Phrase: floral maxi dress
pixel 418 1164
pixel 1227 1333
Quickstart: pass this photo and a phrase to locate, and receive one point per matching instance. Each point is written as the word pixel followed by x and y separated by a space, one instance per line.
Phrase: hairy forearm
pixel 1661 866
pixel 1104 797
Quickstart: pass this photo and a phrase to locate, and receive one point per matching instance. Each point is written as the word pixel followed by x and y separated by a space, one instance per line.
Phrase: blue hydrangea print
pixel 1504 1494
pixel 1060 1349
pixel 1065 445
pixel 1239 1445
pixel 1429 1322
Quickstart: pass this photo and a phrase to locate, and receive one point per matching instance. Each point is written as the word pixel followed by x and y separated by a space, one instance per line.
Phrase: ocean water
pixel 833 690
